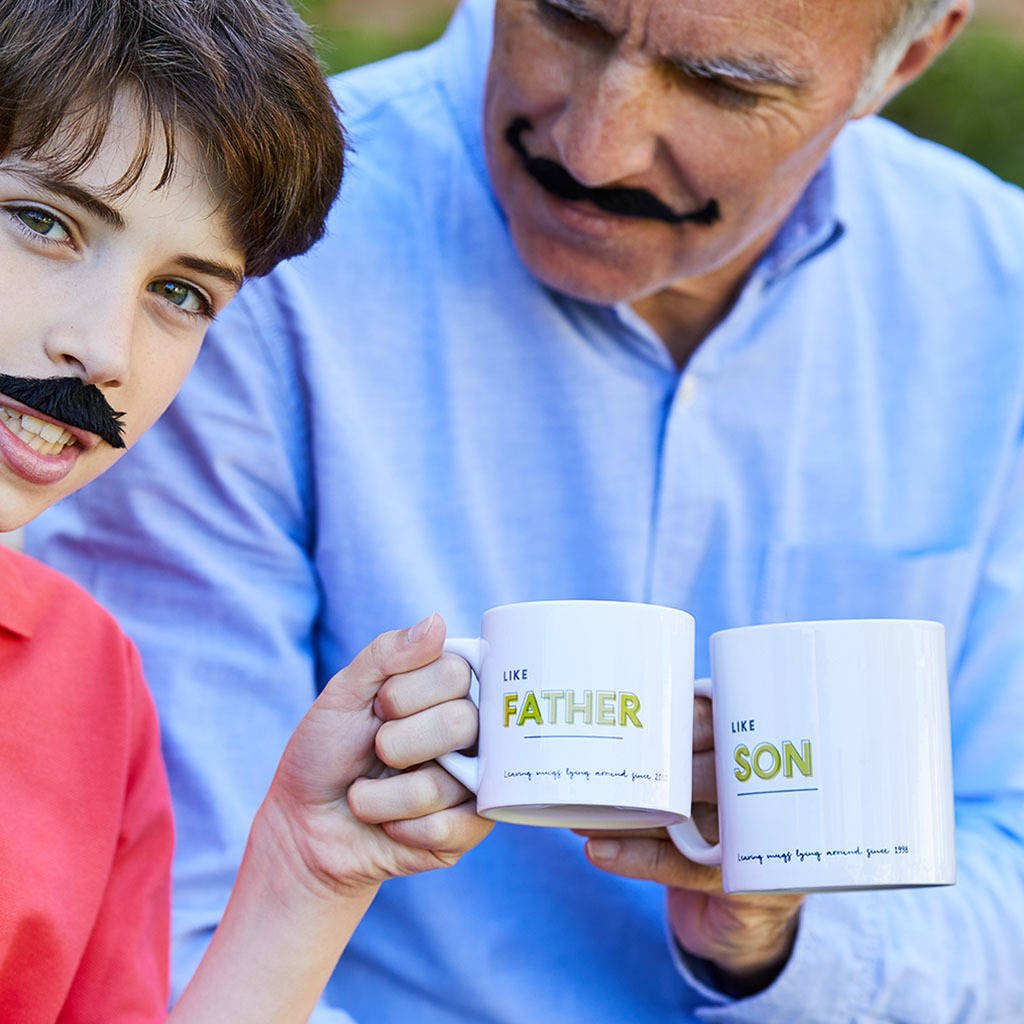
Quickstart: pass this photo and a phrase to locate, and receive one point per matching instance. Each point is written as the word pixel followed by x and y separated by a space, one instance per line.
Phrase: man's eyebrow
pixel 577 8
pixel 61 187
pixel 224 271
pixel 753 70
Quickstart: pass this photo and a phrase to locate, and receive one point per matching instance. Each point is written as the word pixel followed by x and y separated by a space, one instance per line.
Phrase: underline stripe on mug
pixel 572 736
pixel 763 792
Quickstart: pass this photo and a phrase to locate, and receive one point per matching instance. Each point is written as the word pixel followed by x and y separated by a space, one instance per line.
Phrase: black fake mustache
pixel 68 400
pixel 626 202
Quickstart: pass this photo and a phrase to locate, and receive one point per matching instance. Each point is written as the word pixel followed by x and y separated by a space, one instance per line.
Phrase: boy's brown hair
pixel 239 76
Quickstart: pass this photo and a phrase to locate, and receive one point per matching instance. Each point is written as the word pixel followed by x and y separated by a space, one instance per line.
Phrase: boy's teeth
pixel 51 432
pixel 31 424
pixel 45 438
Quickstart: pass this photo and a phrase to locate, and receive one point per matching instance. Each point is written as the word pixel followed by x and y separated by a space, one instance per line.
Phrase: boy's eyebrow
pixel 61 187
pixel 91 202
pixel 225 272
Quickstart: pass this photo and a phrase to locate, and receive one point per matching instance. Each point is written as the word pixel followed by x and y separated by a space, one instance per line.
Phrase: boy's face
pixel 113 293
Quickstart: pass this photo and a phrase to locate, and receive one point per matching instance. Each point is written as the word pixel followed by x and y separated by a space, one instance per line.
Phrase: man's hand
pixel 747 938
pixel 338 815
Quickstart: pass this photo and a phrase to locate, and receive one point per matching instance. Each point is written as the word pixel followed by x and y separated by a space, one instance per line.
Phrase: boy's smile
pixel 111 292
pixel 39 450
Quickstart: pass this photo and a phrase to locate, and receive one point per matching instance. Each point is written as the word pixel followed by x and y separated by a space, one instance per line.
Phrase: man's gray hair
pixel 917 17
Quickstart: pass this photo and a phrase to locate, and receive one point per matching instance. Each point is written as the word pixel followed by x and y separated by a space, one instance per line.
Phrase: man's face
pixel 722 109
pixel 114 293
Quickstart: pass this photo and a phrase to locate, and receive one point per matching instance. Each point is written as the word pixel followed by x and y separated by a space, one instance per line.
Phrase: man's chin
pixel 586 280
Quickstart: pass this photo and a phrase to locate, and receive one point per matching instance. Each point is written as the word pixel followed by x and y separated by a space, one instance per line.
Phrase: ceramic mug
pixel 586 714
pixel 832 755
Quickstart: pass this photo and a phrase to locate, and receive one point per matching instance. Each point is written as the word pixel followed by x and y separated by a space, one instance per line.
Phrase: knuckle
pixel 389 700
pixel 454 674
pixel 379 652
pixel 438 831
pixel 429 787
pixel 357 798
pixel 462 723
pixel 664 864
pixel 385 746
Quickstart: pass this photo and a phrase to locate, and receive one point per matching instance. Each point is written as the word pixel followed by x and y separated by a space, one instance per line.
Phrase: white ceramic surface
pixel 586 714
pixel 833 757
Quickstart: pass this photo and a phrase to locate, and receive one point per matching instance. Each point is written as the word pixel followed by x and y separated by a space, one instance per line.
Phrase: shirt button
pixel 688 389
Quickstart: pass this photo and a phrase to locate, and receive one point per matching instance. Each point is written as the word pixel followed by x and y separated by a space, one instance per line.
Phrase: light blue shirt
pixel 404 421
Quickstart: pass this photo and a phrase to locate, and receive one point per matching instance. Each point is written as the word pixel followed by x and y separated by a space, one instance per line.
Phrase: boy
pixel 152 156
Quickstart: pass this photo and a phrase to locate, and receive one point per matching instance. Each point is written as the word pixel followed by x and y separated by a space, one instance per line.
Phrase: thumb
pixel 390 654
pixel 653 860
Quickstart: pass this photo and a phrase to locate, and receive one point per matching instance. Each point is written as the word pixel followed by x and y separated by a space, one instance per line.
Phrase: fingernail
pixel 604 849
pixel 421 629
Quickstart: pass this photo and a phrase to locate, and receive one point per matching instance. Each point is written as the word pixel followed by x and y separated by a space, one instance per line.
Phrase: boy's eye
pixel 42 223
pixel 182 295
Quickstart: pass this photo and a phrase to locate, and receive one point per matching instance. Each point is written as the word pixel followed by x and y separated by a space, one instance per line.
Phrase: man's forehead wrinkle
pixel 709 42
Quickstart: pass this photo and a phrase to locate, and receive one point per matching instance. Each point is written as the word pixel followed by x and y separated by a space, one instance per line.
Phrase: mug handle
pixel 690 843
pixel 464 768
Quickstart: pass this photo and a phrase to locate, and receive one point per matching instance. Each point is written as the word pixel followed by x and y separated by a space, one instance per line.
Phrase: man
pixel 676 321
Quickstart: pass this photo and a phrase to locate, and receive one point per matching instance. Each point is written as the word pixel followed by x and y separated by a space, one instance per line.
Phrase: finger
pixel 705 817
pixel 705 788
pixel 412 794
pixel 401 650
pixel 703 725
pixel 654 860
pixel 622 833
pixel 410 692
pixel 455 830
pixel 409 741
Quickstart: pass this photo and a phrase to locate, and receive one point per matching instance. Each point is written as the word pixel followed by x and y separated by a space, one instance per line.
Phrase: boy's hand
pixel 337 815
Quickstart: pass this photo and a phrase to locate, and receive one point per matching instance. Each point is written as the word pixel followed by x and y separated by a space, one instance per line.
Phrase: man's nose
pixel 608 131
pixel 91 339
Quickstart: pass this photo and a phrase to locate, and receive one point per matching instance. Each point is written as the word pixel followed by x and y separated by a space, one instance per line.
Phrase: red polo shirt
pixel 85 816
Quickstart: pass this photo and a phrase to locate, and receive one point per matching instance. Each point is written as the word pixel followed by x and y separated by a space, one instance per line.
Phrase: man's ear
pixel 920 54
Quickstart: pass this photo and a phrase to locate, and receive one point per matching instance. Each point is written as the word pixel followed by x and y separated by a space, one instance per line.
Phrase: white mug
pixel 832 755
pixel 586 714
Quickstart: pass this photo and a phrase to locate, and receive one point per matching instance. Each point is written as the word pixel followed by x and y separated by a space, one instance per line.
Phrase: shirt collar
pixel 811 228
pixel 465 50
pixel 19 607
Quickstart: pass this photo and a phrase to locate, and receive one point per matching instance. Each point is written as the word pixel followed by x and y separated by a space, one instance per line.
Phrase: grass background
pixel 972 99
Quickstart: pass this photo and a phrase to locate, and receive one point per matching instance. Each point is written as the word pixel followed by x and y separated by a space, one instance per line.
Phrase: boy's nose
pixel 93 343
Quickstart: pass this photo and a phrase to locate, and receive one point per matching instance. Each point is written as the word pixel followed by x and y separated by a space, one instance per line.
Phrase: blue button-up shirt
pixel 403 421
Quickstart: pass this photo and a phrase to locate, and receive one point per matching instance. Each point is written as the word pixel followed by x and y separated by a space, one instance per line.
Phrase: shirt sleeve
pixel 926 956
pixel 200 549
pixel 122 976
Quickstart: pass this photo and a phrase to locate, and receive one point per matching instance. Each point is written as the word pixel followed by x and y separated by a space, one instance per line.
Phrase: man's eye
pixel 718 90
pixel 184 296
pixel 729 95
pixel 42 223
pixel 561 15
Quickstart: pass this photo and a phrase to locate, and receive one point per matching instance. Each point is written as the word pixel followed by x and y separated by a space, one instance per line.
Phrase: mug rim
pixel 588 601
pixel 932 624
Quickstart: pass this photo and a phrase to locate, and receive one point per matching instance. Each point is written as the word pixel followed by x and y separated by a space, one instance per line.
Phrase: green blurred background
pixel 972 99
